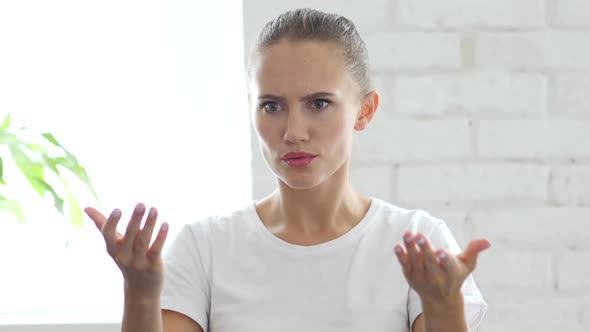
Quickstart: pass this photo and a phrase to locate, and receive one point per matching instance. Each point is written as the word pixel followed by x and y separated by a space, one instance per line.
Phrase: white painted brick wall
pixel 534 139
pixel 397 139
pixel 571 13
pixel 533 50
pixel 485 123
pixel 472 183
pixel 400 51
pixel 469 13
pixel 574 271
pixel 532 311
pixel 488 93
pixel 570 185
pixel 528 270
pixel 534 227
pixel 570 93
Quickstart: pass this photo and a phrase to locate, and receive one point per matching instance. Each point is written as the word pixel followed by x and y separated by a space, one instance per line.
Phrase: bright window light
pixel 150 96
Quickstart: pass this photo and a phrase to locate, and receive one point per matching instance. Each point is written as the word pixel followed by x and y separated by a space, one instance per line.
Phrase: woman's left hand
pixel 435 274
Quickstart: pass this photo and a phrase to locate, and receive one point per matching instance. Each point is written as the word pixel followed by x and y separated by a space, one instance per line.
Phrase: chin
pixel 299 182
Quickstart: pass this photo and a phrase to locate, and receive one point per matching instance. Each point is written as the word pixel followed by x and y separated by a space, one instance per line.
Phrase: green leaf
pixel 50 138
pixel 51 163
pixel 71 163
pixel 13 207
pixel 32 170
pixel 7 138
pixel 58 202
pixel 5 123
pixel 76 213
pixel 1 172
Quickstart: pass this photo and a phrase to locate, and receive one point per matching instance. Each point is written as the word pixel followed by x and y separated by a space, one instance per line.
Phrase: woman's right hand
pixel 140 263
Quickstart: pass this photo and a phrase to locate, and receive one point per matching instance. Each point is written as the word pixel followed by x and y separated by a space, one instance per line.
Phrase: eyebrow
pixel 308 97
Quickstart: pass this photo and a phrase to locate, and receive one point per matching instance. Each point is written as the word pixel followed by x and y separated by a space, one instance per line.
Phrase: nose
pixel 296 128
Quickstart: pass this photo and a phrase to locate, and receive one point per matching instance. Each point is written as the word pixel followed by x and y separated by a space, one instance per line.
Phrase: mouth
pixel 299 162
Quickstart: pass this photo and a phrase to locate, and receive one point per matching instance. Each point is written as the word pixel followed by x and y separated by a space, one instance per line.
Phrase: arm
pixel 449 317
pixel 141 315
pixel 177 322
pixel 146 316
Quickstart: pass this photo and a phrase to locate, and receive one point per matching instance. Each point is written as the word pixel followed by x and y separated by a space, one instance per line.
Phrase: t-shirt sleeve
pixel 475 305
pixel 186 287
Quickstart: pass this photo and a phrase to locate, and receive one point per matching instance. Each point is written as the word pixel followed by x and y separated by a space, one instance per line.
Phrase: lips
pixel 295 155
pixel 298 159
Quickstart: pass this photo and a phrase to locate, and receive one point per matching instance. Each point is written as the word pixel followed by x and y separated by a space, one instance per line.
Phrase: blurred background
pixel 484 122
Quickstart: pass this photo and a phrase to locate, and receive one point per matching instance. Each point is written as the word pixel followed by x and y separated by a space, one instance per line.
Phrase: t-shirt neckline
pixel 339 242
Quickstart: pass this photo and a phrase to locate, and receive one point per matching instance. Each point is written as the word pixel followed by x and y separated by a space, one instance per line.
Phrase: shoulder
pixel 413 220
pixel 231 220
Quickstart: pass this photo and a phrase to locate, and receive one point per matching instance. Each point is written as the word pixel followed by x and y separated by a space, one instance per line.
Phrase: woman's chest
pixel 338 293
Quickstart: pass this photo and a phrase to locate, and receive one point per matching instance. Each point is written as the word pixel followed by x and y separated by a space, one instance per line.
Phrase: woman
pixel 315 255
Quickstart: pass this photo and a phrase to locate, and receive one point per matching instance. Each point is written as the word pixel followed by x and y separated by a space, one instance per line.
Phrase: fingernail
pixel 116 213
pixel 139 208
pixel 152 213
pixel 441 255
pixel 398 250
pixel 421 241
pixel 408 239
pixel 165 226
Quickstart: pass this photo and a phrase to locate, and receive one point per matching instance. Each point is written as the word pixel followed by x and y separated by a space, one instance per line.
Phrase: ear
pixel 368 109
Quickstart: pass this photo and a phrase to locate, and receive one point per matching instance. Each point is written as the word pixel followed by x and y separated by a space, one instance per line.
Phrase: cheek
pixel 339 128
pixel 265 129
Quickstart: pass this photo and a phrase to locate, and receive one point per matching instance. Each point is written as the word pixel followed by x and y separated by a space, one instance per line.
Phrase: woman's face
pixel 303 99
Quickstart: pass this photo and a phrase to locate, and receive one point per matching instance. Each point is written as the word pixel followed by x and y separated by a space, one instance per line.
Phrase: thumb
pixel 474 248
pixel 98 218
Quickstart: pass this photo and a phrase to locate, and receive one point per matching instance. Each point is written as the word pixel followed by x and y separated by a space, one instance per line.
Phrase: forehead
pixel 300 67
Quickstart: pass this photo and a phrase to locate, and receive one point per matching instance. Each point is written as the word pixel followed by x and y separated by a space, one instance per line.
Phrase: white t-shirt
pixel 230 273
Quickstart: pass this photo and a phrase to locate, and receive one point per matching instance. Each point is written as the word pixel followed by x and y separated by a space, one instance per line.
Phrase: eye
pixel 270 106
pixel 320 104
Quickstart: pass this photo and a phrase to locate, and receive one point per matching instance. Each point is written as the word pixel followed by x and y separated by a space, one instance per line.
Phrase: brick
pixel 398 51
pixel 373 180
pixel 586 315
pixel 571 13
pixel 530 311
pixel 533 50
pixel 539 139
pixel 570 93
pixel 388 138
pixel 472 183
pixel 574 270
pixel 527 269
pixel 383 82
pixel 474 93
pixel 535 227
pixel 469 13
pixel 570 185
pixel 375 17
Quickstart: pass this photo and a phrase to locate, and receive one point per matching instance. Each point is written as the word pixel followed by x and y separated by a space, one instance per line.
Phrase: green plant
pixel 34 154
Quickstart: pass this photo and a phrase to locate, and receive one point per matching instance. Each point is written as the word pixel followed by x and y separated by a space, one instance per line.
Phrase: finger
pixel 107 227
pixel 450 263
pixel 156 249
pixel 98 218
pixel 133 227
pixel 403 259
pixel 142 241
pixel 470 255
pixel 431 262
pixel 414 254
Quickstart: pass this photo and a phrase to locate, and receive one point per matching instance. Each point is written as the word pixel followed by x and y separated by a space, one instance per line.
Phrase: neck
pixel 333 206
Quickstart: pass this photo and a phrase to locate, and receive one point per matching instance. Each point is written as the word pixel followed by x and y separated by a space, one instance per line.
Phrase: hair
pixel 307 24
